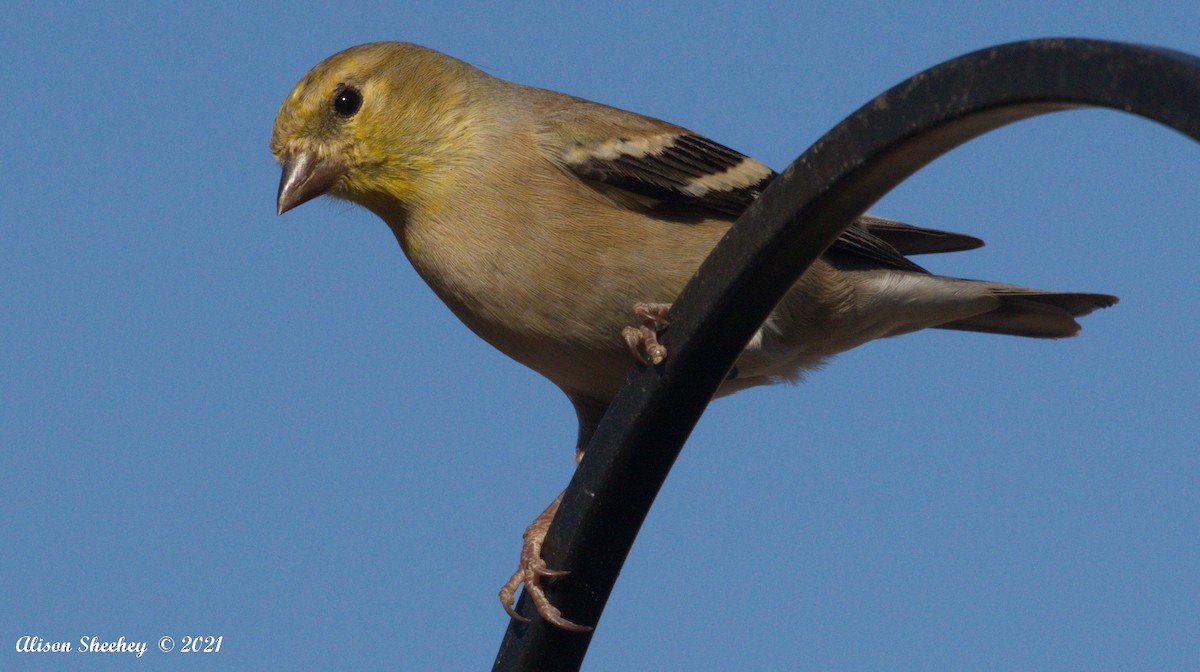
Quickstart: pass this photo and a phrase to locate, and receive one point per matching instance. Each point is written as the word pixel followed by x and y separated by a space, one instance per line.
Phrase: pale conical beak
pixel 305 176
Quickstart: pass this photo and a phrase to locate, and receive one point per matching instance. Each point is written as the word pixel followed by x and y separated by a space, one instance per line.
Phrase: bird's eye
pixel 346 101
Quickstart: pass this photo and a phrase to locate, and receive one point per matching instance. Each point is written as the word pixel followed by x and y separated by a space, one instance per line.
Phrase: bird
pixel 560 230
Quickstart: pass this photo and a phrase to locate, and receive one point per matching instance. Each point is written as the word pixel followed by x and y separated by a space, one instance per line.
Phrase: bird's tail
pixel 1035 313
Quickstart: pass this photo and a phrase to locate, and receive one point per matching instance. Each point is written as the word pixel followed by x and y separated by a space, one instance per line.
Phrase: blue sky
pixel 215 422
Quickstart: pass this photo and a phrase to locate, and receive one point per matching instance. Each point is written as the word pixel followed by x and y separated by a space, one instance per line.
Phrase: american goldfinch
pixel 559 230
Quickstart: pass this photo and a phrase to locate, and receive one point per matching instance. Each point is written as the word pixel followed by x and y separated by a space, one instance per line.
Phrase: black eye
pixel 346 101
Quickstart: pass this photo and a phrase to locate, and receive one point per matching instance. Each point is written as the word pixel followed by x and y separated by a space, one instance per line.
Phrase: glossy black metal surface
pixel 784 231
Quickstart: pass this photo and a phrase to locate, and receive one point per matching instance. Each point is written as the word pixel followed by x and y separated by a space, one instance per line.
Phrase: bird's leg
pixel 653 317
pixel 532 570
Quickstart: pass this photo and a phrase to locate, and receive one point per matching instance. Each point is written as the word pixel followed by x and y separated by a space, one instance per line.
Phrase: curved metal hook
pixel 773 243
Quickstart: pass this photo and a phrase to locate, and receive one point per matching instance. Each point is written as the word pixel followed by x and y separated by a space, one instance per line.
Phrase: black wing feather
pixel 678 172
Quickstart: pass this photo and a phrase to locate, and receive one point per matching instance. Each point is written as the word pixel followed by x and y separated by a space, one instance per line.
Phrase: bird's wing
pixel 660 163
pixel 909 239
pixel 654 163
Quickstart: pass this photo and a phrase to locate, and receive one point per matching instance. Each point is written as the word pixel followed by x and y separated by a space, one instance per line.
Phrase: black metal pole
pixel 773 243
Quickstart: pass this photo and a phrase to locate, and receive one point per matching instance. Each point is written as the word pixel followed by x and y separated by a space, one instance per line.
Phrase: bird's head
pixel 380 124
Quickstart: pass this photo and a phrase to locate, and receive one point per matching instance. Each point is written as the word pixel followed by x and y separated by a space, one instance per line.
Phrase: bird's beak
pixel 305 176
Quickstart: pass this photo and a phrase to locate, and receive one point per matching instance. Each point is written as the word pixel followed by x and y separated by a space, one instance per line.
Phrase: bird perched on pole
pixel 560 230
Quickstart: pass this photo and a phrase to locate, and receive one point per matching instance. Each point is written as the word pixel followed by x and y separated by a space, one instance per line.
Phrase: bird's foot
pixel 533 570
pixel 653 317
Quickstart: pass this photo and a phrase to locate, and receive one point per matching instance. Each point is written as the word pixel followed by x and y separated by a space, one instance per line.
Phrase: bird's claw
pixel 653 317
pixel 532 571
pixel 544 571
